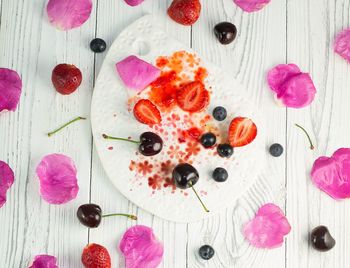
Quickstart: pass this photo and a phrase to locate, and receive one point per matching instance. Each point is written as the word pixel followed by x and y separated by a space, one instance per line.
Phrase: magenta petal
pixel 134 2
pixel 68 14
pixel 7 178
pixel 332 174
pixel 268 228
pixel 342 44
pixel 279 74
pixel 10 89
pixel 292 87
pixel 136 73
pixel 44 261
pixel 251 5
pixel 141 248
pixel 58 179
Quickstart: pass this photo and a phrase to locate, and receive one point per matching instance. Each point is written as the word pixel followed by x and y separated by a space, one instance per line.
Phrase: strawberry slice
pixel 242 131
pixel 192 97
pixel 185 12
pixel 146 112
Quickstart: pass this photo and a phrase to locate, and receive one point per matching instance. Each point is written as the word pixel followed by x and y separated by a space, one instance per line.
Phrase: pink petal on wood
pixel 44 261
pixel 134 2
pixel 68 14
pixel 10 89
pixel 7 178
pixel 332 174
pixel 268 228
pixel 251 5
pixel 342 44
pixel 141 248
pixel 58 179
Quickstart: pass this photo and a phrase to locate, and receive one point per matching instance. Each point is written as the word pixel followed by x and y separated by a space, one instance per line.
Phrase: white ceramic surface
pixel 110 114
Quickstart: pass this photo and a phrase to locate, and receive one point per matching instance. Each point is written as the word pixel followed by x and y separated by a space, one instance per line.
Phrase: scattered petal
pixel 134 2
pixel 268 228
pixel 44 261
pixel 136 73
pixel 10 89
pixel 141 248
pixel 68 14
pixel 342 44
pixel 7 178
pixel 58 179
pixel 251 5
pixel 292 87
pixel 332 174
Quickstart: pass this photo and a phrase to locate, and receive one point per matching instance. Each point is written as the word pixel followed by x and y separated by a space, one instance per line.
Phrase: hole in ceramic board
pixel 141 47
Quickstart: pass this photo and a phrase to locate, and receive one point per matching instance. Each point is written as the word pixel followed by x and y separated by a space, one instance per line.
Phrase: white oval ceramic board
pixel 147 181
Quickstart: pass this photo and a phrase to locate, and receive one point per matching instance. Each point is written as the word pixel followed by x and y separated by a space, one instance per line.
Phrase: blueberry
pixel 208 140
pixel 225 150
pixel 220 174
pixel 276 150
pixel 98 45
pixel 220 113
pixel 206 252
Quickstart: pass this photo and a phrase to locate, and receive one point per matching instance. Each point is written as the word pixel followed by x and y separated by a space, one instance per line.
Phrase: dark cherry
pixel 149 144
pixel 186 176
pixel 90 215
pixel 321 239
pixel 225 32
pixel 208 140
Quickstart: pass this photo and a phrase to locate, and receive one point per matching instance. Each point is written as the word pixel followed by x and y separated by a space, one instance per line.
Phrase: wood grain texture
pixel 295 31
pixel 260 43
pixel 33 47
pixel 311 34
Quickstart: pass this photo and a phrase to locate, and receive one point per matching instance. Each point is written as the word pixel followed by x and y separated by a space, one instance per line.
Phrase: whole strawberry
pixel 96 256
pixel 185 12
pixel 66 78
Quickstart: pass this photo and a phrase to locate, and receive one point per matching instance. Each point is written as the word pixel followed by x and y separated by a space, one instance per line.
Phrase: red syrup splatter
pixel 179 129
pixel 110 148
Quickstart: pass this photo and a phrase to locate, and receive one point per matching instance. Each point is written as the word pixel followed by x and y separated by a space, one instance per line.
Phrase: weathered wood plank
pixel 260 43
pixel 312 26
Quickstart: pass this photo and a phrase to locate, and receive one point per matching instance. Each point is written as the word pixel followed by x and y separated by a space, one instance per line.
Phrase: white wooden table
pixel 298 31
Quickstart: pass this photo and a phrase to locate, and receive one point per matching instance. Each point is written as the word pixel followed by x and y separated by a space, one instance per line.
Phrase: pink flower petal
pixel 10 89
pixel 44 261
pixel 332 174
pixel 68 14
pixel 141 248
pixel 251 5
pixel 292 87
pixel 342 44
pixel 268 228
pixel 7 178
pixel 58 179
pixel 136 73
pixel 134 2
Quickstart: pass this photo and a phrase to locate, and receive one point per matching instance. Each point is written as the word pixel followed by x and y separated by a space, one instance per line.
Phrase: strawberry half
pixel 192 97
pixel 147 113
pixel 96 256
pixel 242 131
pixel 185 12
pixel 66 78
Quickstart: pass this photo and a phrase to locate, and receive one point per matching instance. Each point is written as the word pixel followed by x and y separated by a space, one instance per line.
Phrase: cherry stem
pixel 118 139
pixel 65 125
pixel 133 217
pixel 307 135
pixel 200 200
